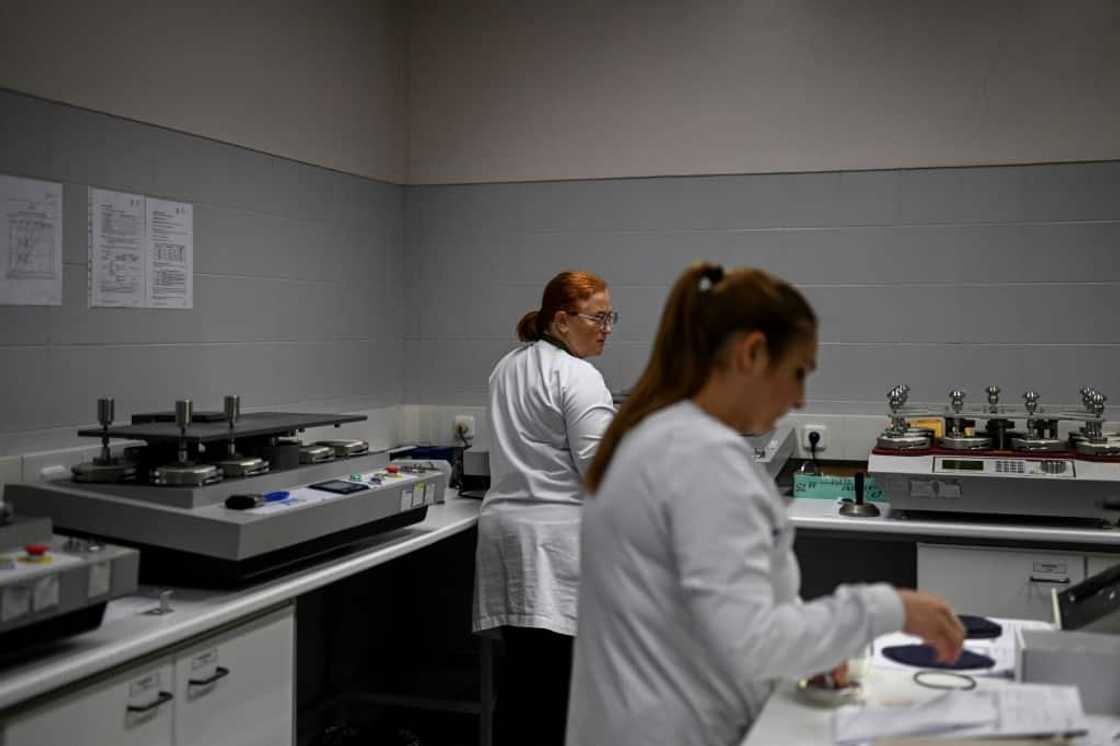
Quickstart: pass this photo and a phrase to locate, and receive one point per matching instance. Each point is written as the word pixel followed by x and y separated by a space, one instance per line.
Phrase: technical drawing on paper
pixel 31 241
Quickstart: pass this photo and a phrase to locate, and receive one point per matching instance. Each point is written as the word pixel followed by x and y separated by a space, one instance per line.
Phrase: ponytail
pixel 705 307
pixel 527 329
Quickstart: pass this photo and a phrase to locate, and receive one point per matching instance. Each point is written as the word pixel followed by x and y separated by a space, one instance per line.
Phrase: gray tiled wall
pixel 296 301
pixel 936 277
pixel 316 289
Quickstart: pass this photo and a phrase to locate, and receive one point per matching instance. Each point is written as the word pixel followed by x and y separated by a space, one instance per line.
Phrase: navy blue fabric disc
pixel 979 628
pixel 924 656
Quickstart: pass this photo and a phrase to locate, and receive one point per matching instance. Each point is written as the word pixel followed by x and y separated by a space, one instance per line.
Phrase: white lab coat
pixel 689 606
pixel 548 411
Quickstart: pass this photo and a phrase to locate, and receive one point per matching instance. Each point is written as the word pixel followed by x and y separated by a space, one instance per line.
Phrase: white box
pixel 1088 660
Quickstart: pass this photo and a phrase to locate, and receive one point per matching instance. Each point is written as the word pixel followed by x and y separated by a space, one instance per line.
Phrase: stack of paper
pixel 1006 711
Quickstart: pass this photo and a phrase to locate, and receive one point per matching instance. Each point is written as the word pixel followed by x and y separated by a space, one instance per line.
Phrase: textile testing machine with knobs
pixel 996 468
pixel 52 586
pixel 223 498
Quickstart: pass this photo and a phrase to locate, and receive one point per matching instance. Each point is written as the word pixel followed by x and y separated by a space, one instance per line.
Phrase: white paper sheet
pixel 30 242
pixel 141 251
pixel 854 724
pixel 1006 711
pixel 118 251
pixel 171 254
pixel 1033 710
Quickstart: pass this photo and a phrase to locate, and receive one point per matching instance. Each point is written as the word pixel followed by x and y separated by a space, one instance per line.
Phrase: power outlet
pixel 463 428
pixel 821 430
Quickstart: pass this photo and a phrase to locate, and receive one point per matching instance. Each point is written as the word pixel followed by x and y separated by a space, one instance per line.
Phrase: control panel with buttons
pixel 1006 467
pixel 52 585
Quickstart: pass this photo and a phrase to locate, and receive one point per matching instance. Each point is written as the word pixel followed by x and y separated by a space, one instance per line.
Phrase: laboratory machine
pixel 51 585
pixel 1021 459
pixel 232 498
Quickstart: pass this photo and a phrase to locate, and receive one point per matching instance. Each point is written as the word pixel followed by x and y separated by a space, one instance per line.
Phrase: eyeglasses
pixel 606 320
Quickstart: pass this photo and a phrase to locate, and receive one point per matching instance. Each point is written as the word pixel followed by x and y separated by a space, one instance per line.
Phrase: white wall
pixel 506 90
pixel 319 82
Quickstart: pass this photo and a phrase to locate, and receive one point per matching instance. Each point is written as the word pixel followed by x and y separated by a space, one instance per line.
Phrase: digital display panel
pixel 962 465
pixel 339 486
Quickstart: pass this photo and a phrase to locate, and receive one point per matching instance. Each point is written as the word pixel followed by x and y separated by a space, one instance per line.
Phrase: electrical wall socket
pixel 822 430
pixel 463 428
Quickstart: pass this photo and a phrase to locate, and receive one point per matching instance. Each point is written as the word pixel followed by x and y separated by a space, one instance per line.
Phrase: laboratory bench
pixel 384 625
pixel 982 565
pixel 97 679
pixel 789 719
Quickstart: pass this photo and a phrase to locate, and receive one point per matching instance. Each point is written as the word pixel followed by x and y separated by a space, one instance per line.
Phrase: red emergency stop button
pixel 36 550
pixel 392 468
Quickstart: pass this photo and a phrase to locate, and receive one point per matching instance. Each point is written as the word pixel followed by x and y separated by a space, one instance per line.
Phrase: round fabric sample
pixel 924 656
pixel 979 628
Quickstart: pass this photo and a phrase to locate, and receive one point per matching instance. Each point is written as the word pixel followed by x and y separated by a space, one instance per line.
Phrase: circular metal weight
pixel 1109 447
pixel 905 442
pixel 966 442
pixel 1038 445
pixel 186 475
pixel 90 471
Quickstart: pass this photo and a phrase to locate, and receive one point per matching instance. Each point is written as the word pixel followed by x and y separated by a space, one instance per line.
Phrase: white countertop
pixel 822 515
pixel 788 720
pixel 128 633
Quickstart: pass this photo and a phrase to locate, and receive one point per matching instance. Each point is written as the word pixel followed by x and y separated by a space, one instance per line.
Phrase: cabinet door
pixel 236 688
pixel 133 709
pixel 997 582
pixel 1102 562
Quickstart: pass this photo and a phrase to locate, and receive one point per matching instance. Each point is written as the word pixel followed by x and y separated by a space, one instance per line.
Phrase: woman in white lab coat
pixel 689 607
pixel 548 409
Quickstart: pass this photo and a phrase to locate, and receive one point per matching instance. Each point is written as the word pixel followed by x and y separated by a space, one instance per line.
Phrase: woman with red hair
pixel 548 409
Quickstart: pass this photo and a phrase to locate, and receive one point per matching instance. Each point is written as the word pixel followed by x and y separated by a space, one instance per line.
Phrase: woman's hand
pixel 931 618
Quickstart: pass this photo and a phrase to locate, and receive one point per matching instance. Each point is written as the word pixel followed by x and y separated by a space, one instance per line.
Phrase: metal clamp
pixel 993 397
pixel 164 604
pixel 896 400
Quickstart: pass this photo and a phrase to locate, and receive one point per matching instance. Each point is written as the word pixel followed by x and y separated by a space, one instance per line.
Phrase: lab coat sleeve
pixel 724 530
pixel 588 411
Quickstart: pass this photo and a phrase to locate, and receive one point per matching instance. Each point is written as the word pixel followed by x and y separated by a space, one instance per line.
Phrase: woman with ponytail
pixel 689 607
pixel 548 410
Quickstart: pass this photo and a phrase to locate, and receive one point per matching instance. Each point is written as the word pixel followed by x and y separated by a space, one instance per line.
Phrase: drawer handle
pixel 219 673
pixel 1055 581
pixel 162 699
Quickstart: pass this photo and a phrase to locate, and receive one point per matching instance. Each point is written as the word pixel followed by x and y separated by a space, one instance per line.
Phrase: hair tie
pixel 710 278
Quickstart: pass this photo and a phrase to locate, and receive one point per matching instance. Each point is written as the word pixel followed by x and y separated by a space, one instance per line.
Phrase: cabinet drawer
pixel 997 582
pixel 236 688
pixel 133 709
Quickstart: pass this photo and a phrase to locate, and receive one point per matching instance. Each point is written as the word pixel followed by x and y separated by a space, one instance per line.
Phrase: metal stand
pixel 859 508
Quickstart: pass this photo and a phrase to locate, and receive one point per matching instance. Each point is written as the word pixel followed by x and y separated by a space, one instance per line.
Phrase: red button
pixel 392 468
pixel 36 550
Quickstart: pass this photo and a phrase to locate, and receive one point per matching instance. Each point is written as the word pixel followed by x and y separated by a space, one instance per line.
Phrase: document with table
pixel 1026 710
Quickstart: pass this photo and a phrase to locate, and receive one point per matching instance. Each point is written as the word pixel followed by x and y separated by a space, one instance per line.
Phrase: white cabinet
pixel 234 688
pixel 1101 562
pixel 135 708
pixel 997 582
